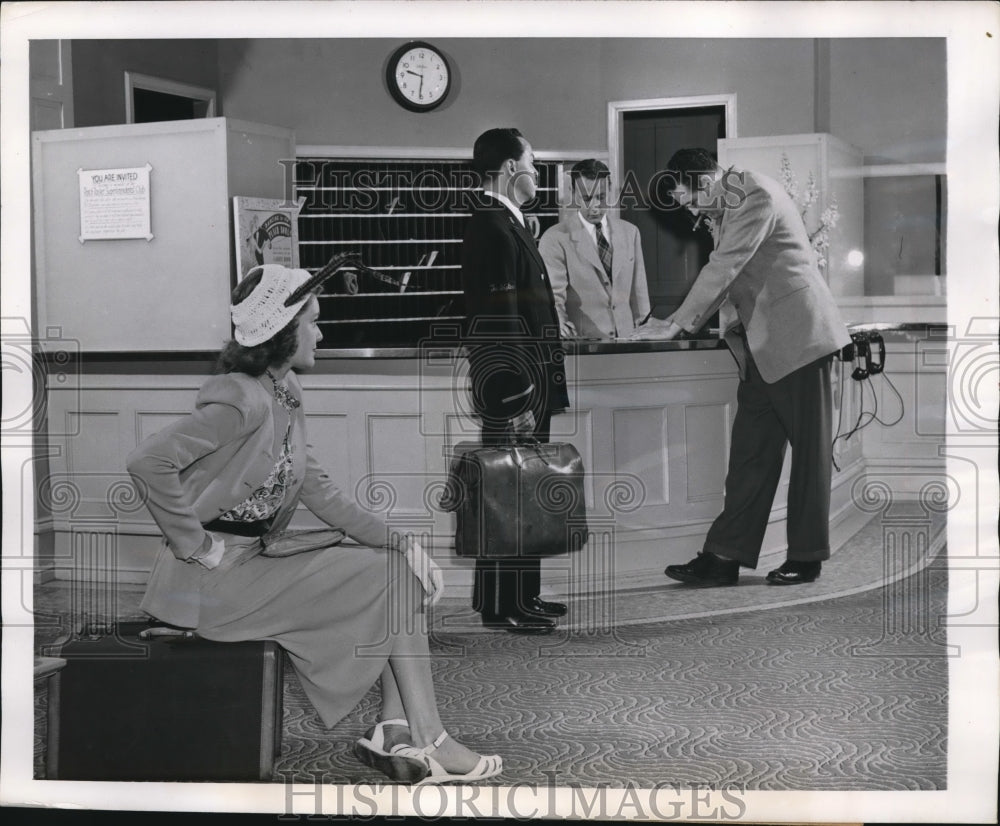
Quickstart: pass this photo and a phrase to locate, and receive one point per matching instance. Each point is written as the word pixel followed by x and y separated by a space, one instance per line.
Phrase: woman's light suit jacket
pixel 208 462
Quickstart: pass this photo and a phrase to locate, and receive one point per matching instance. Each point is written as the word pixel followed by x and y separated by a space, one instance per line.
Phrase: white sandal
pixel 488 765
pixel 370 750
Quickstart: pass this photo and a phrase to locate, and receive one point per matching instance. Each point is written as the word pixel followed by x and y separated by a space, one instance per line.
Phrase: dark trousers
pixel 795 410
pixel 503 587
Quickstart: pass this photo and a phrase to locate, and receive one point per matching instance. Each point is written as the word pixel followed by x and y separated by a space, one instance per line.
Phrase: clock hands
pixel 420 91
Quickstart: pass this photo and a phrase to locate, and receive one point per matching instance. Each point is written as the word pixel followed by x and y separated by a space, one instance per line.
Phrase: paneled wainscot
pixel 651 420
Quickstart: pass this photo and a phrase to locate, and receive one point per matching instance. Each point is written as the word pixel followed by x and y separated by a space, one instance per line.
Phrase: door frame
pixel 135 80
pixel 618 108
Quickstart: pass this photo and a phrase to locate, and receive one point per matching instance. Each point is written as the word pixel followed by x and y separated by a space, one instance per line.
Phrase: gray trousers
pixel 796 410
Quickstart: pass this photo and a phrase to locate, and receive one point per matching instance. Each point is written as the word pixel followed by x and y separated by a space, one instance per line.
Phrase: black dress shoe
pixel 794 573
pixel 706 570
pixel 539 606
pixel 519 623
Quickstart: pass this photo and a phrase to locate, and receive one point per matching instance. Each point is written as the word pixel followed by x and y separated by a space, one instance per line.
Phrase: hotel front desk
pixel 651 420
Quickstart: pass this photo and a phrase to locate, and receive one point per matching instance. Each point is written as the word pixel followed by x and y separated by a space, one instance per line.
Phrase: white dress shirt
pixel 507 202
pixel 592 229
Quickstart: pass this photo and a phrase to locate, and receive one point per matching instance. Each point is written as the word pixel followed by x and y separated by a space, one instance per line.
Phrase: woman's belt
pixel 258 528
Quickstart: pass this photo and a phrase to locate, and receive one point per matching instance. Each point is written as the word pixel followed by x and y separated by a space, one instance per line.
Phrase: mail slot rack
pixel 406 217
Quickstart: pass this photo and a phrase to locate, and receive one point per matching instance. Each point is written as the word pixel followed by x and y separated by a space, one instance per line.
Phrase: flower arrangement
pixel 820 237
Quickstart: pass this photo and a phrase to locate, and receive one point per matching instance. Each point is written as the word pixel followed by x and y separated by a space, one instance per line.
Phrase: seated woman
pixel 223 482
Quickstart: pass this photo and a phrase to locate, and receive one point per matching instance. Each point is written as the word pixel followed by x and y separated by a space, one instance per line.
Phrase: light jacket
pixel 763 274
pixel 208 462
pixel 597 307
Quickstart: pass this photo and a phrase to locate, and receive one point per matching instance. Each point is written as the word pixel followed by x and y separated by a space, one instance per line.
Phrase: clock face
pixel 418 76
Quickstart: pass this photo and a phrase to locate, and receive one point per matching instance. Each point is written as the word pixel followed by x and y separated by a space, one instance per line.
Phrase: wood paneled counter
pixel 650 419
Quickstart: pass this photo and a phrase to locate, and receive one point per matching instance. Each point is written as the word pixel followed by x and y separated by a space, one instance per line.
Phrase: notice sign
pixel 114 203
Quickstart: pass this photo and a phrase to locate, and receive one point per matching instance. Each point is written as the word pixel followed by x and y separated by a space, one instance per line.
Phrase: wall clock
pixel 418 76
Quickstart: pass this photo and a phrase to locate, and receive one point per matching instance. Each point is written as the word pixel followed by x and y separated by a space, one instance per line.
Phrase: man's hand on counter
pixel 657 329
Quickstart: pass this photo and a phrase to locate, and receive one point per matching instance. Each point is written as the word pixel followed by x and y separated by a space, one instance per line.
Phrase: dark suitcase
pixel 516 500
pixel 167 708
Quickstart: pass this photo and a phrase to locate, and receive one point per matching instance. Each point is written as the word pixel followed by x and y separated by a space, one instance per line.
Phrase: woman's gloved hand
pixel 426 570
pixel 209 555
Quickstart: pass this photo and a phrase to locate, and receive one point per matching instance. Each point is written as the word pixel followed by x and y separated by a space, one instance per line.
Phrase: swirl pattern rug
pixel 837 685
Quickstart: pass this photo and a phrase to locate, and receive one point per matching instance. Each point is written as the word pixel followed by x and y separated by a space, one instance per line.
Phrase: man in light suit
pixel 595 263
pixel 783 328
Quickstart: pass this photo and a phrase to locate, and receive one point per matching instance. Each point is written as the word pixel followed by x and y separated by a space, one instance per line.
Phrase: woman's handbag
pixel 522 499
pixel 289 543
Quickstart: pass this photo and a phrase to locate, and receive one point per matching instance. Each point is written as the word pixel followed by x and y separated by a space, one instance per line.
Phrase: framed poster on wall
pixel 267 232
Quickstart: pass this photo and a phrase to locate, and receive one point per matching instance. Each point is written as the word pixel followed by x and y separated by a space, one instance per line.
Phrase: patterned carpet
pixel 838 685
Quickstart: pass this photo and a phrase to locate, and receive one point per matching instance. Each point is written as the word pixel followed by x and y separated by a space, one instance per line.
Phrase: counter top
pixel 581 347
pixel 574 347
pixel 907 329
pixel 181 361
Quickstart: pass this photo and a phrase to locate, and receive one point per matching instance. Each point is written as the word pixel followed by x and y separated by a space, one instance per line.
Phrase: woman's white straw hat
pixel 264 312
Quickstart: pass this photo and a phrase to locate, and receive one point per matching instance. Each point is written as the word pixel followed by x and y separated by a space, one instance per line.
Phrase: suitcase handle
pixel 173 633
pixel 532 443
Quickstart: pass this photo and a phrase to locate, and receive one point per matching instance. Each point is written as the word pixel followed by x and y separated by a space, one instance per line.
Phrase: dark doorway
pixel 150 105
pixel 673 254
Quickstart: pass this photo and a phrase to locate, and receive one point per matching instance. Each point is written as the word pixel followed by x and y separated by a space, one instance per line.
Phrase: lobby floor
pixel 836 685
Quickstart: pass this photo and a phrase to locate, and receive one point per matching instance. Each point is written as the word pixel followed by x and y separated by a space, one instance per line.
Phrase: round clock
pixel 418 76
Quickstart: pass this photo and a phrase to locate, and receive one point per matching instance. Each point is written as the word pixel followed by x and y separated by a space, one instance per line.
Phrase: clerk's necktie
pixel 604 250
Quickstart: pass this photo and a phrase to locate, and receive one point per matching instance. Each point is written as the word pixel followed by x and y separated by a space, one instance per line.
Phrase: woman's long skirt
pixel 335 611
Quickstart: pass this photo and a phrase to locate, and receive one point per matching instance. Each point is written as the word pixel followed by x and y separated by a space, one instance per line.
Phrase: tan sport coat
pixel 211 460
pixel 763 274
pixel 583 295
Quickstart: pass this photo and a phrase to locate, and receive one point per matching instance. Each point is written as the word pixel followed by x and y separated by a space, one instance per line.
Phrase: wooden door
pixel 51 84
pixel 673 254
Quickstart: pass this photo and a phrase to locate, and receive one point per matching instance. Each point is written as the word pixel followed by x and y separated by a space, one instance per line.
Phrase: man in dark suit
pixel 783 326
pixel 515 354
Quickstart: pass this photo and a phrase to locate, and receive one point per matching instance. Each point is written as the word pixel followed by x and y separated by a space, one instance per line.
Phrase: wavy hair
pixel 690 162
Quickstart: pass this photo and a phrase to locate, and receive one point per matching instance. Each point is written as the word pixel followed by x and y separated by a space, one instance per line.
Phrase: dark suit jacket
pixel 512 330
